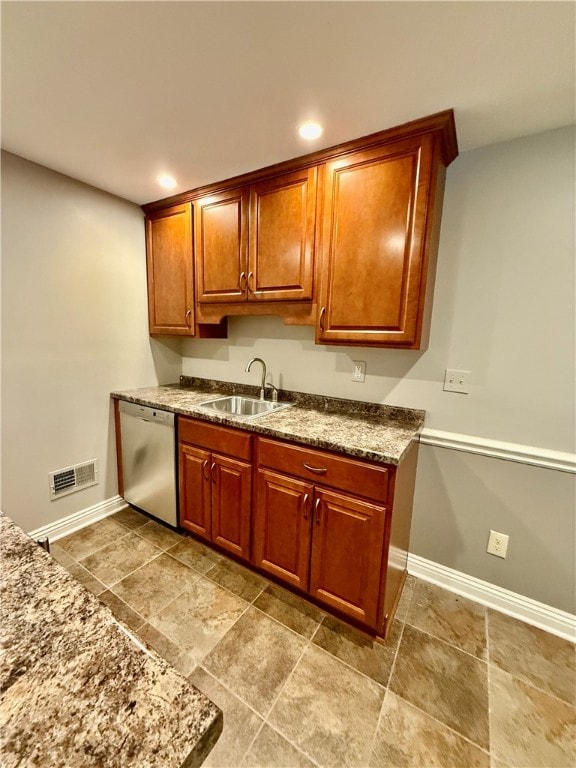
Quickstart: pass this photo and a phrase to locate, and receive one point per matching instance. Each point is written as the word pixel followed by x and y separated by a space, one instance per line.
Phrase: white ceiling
pixel 113 93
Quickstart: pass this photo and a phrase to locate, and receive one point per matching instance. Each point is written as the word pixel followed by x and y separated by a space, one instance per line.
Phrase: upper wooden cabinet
pixel 381 223
pixel 282 225
pixel 345 239
pixel 257 243
pixel 170 271
pixel 221 246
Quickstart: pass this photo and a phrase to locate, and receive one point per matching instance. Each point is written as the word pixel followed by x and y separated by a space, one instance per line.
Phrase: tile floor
pixel 455 686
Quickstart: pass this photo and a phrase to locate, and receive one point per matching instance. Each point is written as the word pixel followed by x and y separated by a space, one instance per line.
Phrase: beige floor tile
pixel 159 535
pixel 405 598
pixel 150 588
pixel 532 655
pixel 88 540
pixel 291 610
pixel 121 610
pixel 450 617
pixel 328 710
pixel 255 658
pixel 180 658
pixel 130 518
pixel 195 555
pixel 270 750
pixel 235 578
pixel 61 556
pixel 529 728
pixel 409 738
pixel 241 724
pixel 198 618
pixel 448 684
pixel 85 578
pixel 115 561
pixel 372 657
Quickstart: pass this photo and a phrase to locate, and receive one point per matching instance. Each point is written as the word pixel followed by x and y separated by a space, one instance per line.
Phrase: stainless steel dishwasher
pixel 148 460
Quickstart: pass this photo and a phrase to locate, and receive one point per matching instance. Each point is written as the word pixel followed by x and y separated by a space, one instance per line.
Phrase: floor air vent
pixel 73 479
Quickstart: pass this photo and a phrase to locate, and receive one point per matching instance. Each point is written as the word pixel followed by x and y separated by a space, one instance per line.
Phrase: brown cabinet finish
pixel 379 243
pixel 347 550
pixel 220 247
pixel 282 527
pixel 282 226
pixel 170 271
pixel 194 486
pixel 215 489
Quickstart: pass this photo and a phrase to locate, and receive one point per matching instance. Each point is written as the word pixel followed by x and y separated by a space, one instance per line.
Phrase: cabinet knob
pixel 305 506
pixel 317 510
pixel 321 319
pixel 316 470
pixel 205 470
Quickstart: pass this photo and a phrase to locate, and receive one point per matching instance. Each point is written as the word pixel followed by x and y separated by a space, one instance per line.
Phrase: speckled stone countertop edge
pixel 379 433
pixel 68 669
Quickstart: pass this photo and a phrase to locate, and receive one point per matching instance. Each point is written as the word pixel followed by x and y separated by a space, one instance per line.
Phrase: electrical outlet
pixel 497 544
pixel 359 370
pixel 457 381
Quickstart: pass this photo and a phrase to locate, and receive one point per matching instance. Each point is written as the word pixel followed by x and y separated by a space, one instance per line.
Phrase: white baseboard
pixel 531 611
pixel 78 520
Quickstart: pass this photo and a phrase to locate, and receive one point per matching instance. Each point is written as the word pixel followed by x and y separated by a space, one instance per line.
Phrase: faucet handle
pixel 274 392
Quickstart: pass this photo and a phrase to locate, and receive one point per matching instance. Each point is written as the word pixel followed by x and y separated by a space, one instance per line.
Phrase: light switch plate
pixel 457 381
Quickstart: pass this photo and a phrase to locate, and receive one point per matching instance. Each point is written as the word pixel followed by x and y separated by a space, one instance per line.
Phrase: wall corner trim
pixel 512 604
pixel 66 525
pixel 497 449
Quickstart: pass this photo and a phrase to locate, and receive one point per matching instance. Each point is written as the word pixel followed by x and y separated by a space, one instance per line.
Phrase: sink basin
pixel 243 407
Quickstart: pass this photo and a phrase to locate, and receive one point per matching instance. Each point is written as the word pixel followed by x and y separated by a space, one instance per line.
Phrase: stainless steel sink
pixel 243 407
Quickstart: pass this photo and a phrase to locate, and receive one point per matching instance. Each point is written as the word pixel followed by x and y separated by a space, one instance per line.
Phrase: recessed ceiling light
pixel 166 181
pixel 310 130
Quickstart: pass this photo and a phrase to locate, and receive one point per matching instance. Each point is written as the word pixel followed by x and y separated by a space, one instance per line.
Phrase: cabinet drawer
pixel 232 442
pixel 323 468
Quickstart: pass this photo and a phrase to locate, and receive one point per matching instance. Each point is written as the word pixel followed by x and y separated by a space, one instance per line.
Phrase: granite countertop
pixel 380 433
pixel 77 690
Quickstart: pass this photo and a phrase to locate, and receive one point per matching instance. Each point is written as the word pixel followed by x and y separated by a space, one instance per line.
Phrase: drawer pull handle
pixel 316 470
pixel 205 470
pixel 213 469
pixel 317 510
pixel 321 319
pixel 188 316
pixel 243 282
pixel 250 276
pixel 305 506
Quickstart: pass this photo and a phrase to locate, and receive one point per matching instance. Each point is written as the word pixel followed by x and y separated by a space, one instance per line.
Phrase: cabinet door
pixel 170 271
pixel 282 224
pixel 347 545
pixel 282 527
pixel 194 483
pixel 231 502
pixel 221 247
pixel 378 213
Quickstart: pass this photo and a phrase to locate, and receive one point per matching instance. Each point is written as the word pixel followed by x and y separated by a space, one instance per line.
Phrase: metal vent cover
pixel 72 479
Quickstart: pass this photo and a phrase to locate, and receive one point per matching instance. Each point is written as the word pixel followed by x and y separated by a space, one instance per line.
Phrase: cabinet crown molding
pixel 441 123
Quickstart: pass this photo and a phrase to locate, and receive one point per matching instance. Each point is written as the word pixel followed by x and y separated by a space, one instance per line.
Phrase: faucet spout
pixel 263 384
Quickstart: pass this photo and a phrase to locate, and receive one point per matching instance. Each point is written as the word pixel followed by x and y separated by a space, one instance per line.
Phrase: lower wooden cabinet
pixel 329 526
pixel 325 543
pixel 215 489
pixel 282 527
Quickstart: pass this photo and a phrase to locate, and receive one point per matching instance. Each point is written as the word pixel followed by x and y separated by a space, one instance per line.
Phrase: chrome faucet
pixel 263 384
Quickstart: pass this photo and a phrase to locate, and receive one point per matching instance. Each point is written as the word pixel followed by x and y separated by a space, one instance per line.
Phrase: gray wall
pixel 74 327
